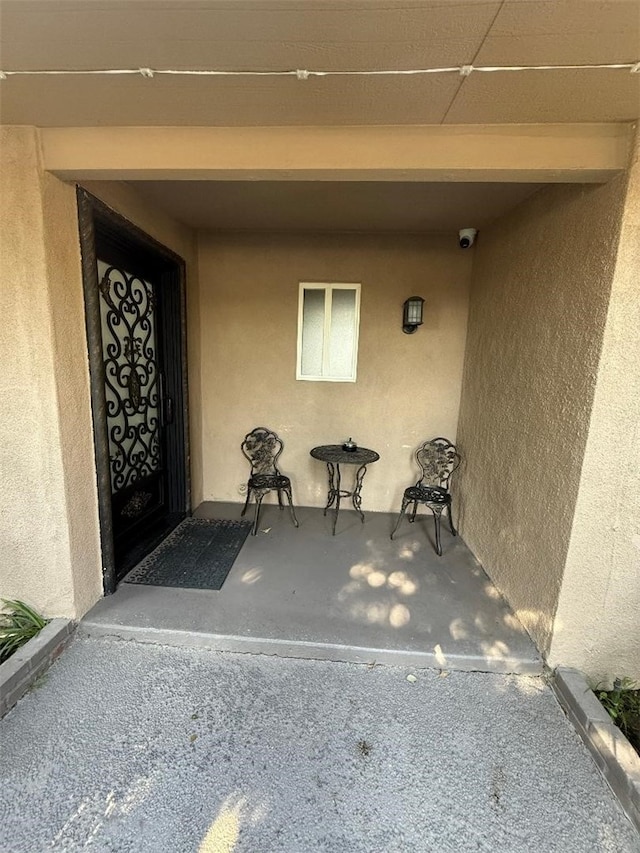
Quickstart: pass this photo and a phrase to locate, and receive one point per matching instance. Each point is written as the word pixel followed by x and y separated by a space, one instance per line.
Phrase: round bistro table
pixel 333 455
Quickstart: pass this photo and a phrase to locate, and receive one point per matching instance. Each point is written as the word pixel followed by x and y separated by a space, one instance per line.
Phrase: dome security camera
pixel 467 237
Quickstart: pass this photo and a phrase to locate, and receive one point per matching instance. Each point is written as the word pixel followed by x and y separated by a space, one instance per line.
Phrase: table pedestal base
pixel 335 493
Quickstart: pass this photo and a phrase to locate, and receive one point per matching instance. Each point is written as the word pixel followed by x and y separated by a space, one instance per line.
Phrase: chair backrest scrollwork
pixel 438 459
pixel 262 447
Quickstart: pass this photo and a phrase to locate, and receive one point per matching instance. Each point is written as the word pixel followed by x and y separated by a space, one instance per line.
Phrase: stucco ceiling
pixel 330 35
pixel 329 206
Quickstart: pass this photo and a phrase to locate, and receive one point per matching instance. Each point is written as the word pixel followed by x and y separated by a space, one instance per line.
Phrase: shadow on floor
pixel 357 596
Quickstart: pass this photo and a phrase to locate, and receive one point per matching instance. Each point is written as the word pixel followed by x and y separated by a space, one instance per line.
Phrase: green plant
pixel 18 623
pixel 623 705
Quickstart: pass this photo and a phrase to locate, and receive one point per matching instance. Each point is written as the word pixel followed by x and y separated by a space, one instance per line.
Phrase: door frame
pixel 95 217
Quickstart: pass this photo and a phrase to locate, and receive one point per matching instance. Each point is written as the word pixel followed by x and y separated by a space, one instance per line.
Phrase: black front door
pixel 137 410
pixel 133 291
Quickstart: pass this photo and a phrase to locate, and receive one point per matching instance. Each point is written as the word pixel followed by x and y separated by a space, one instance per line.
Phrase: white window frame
pixel 328 288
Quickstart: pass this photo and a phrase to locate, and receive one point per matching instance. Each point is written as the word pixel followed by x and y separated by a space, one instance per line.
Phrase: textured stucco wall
pixel 597 625
pixel 49 535
pixel 408 386
pixel 541 282
pixel 182 240
pixel 64 272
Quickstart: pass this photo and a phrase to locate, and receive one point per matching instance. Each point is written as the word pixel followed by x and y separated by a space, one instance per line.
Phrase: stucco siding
pixel 50 555
pixel 597 624
pixel 407 388
pixel 541 283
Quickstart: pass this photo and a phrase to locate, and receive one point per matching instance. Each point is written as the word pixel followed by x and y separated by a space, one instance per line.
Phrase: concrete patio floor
pixel 357 596
pixel 131 747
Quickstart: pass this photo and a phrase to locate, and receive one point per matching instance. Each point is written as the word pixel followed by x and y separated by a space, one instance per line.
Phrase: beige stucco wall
pixel 49 535
pixel 408 386
pixel 182 240
pixel 49 539
pixel 541 284
pixel 597 625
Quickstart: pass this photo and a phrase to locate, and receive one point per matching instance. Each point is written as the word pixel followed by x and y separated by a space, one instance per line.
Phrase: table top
pixel 335 453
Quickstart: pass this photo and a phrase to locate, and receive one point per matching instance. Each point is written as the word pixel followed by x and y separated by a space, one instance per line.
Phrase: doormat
pixel 198 554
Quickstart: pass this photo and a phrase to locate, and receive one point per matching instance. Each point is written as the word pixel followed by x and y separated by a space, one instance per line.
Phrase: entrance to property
pixel 134 300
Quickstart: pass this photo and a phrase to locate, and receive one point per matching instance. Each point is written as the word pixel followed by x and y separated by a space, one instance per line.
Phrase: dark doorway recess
pixel 135 315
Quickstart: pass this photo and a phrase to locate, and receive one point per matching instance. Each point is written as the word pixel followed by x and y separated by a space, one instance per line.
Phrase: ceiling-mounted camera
pixel 467 237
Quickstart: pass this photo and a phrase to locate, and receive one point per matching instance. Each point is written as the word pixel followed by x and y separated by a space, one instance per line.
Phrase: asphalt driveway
pixel 131 747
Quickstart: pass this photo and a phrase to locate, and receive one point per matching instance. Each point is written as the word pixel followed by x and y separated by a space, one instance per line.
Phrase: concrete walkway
pixel 356 596
pixel 131 747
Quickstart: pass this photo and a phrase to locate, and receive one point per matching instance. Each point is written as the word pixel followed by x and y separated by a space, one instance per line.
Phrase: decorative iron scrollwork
pixel 127 308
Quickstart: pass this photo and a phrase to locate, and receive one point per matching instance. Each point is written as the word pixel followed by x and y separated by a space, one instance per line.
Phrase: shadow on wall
pixel 537 621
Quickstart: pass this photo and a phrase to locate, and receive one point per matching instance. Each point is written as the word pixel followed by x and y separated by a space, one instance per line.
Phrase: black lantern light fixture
pixel 412 314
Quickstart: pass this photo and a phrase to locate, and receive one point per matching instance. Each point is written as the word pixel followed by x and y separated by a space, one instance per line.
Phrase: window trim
pixel 328 288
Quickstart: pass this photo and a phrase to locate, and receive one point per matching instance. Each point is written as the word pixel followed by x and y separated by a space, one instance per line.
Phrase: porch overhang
pixel 537 153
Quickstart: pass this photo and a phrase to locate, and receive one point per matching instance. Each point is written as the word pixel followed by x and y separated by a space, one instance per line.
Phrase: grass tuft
pixel 623 706
pixel 18 624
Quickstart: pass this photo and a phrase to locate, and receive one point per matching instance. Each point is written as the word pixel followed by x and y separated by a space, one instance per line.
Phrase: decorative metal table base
pixel 333 455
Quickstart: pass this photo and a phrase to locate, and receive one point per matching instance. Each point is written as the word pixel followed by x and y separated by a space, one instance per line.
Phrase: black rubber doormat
pixel 198 554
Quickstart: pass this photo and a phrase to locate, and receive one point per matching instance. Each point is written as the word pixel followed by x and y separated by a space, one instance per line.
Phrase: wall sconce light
pixel 412 314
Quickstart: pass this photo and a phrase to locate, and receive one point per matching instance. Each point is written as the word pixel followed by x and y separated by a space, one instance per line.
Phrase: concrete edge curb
pixel 24 667
pixel 311 650
pixel 614 756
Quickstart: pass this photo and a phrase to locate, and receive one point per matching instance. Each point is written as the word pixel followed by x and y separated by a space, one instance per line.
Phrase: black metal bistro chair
pixel 262 447
pixel 438 459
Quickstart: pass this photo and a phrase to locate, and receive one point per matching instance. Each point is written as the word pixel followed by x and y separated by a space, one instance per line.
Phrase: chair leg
pixel 436 518
pixel 405 504
pixel 246 503
pixel 280 504
pixel 451 525
pixel 414 511
pixel 291 508
pixel 259 497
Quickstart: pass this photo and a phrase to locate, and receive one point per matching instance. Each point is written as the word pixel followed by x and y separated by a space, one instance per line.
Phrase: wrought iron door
pixel 134 290
pixel 134 400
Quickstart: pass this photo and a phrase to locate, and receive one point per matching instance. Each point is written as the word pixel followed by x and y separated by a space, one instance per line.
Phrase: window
pixel 328 318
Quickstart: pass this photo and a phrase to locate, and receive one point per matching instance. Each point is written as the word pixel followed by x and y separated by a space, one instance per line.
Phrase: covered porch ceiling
pixel 236 139
pixel 377 179
pixel 298 206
